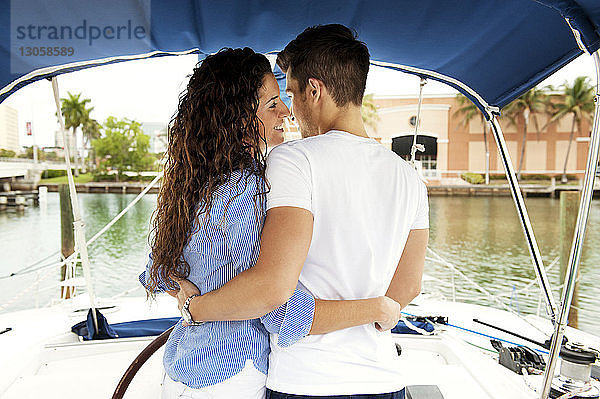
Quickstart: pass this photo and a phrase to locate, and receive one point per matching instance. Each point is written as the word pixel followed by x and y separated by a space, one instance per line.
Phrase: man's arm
pixel 302 315
pixel 285 241
pixel 337 315
pixel 406 283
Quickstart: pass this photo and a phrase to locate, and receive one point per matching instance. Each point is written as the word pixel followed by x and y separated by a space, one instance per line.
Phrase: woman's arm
pixel 162 285
pixel 303 315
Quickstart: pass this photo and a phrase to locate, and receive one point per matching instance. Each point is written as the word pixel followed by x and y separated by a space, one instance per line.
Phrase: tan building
pixel 59 143
pixel 9 128
pixel 453 147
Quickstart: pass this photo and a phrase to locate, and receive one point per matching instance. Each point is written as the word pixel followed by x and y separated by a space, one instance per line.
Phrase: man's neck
pixel 347 119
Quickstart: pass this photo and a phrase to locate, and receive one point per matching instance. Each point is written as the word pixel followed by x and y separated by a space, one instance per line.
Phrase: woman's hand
pixel 186 289
pixel 390 314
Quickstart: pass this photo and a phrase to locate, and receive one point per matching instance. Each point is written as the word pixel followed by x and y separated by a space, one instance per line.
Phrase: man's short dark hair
pixel 333 55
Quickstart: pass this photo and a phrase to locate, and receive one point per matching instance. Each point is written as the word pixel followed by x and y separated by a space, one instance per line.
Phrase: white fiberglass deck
pixel 42 357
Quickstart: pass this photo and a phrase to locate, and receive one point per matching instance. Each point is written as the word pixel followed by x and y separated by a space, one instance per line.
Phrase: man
pixel 346 217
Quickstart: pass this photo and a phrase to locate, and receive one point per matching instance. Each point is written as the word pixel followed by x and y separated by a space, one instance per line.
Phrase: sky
pixel 148 90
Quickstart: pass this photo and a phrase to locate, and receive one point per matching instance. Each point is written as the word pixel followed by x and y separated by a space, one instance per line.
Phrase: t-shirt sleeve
pixel 289 177
pixel 292 320
pixel 422 217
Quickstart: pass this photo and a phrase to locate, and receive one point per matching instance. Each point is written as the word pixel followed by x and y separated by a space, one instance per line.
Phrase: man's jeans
pixel 391 395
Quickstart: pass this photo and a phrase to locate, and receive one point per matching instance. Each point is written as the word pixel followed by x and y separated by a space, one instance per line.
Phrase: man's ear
pixel 314 89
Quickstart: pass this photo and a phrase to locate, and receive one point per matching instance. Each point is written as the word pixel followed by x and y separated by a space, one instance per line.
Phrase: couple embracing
pixel 289 270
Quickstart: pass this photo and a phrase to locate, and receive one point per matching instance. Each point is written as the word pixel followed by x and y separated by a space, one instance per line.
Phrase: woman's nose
pixel 284 111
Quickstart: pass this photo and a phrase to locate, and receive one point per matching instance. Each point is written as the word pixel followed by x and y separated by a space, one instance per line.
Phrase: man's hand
pixel 186 289
pixel 390 314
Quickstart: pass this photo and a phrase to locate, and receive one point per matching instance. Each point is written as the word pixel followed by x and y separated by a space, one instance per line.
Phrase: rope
pixel 25 291
pixel 127 208
pixel 415 146
pixel 518 291
pixel 137 287
pixel 28 270
pixel 483 290
pixel 31 265
pixel 73 257
pixel 475 332
pixel 419 330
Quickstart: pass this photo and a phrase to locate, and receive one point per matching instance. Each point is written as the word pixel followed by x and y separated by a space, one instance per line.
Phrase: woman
pixel 207 228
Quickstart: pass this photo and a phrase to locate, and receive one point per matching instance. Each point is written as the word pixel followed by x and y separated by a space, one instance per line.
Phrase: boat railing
pixel 496 298
pixel 43 270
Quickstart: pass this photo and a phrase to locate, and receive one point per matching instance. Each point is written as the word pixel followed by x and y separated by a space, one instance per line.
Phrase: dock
pixel 18 199
pixel 502 190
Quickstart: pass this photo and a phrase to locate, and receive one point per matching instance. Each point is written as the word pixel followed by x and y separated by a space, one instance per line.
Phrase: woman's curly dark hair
pixel 214 132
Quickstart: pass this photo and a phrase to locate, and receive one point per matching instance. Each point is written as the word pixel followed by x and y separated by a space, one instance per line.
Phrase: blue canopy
pixel 490 50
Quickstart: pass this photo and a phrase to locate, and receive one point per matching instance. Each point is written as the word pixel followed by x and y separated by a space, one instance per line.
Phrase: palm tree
pixel 529 104
pixel 468 110
pixel 75 113
pixel 369 113
pixel 578 101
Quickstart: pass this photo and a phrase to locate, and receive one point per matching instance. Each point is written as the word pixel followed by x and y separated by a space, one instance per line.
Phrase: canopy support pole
pixel 515 190
pixel 578 237
pixel 415 146
pixel 78 225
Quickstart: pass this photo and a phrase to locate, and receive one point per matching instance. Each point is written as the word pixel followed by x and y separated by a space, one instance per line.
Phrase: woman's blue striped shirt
pixel 222 245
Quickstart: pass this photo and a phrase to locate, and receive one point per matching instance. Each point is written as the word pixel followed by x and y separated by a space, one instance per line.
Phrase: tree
pixel 468 110
pixel 532 103
pixel 368 111
pixel 577 101
pixel 75 113
pixel 124 146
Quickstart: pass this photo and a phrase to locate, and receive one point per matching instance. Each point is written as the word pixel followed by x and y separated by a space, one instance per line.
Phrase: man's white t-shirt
pixel 365 199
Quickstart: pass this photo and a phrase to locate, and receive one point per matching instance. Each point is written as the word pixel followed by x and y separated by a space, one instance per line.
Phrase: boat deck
pixel 57 364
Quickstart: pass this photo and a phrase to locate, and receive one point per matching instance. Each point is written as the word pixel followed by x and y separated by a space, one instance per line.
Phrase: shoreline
pixel 460 190
pixel 501 190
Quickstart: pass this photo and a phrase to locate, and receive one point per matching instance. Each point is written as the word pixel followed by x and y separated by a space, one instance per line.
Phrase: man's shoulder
pixel 299 144
pixel 293 149
pixel 304 145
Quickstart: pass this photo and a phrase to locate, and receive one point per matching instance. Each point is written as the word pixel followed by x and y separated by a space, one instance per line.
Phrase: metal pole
pixel 534 249
pixel 578 237
pixel 413 149
pixel 80 243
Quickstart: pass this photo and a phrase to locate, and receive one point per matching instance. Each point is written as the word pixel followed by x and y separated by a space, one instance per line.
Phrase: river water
pixel 480 235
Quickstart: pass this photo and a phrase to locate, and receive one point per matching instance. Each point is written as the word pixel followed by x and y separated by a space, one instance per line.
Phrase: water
pixel 480 235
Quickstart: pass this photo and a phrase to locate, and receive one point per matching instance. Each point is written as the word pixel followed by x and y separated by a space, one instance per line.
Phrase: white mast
pixel 80 242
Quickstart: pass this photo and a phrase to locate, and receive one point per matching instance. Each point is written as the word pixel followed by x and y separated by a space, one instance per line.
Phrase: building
pixel 59 142
pixel 158 136
pixel 453 147
pixel 9 128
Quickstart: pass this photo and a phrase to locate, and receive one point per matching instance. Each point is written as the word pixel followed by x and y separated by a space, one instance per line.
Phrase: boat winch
pixel 575 373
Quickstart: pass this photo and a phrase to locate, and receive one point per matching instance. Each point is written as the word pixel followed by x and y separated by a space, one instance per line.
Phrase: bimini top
pixel 491 50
